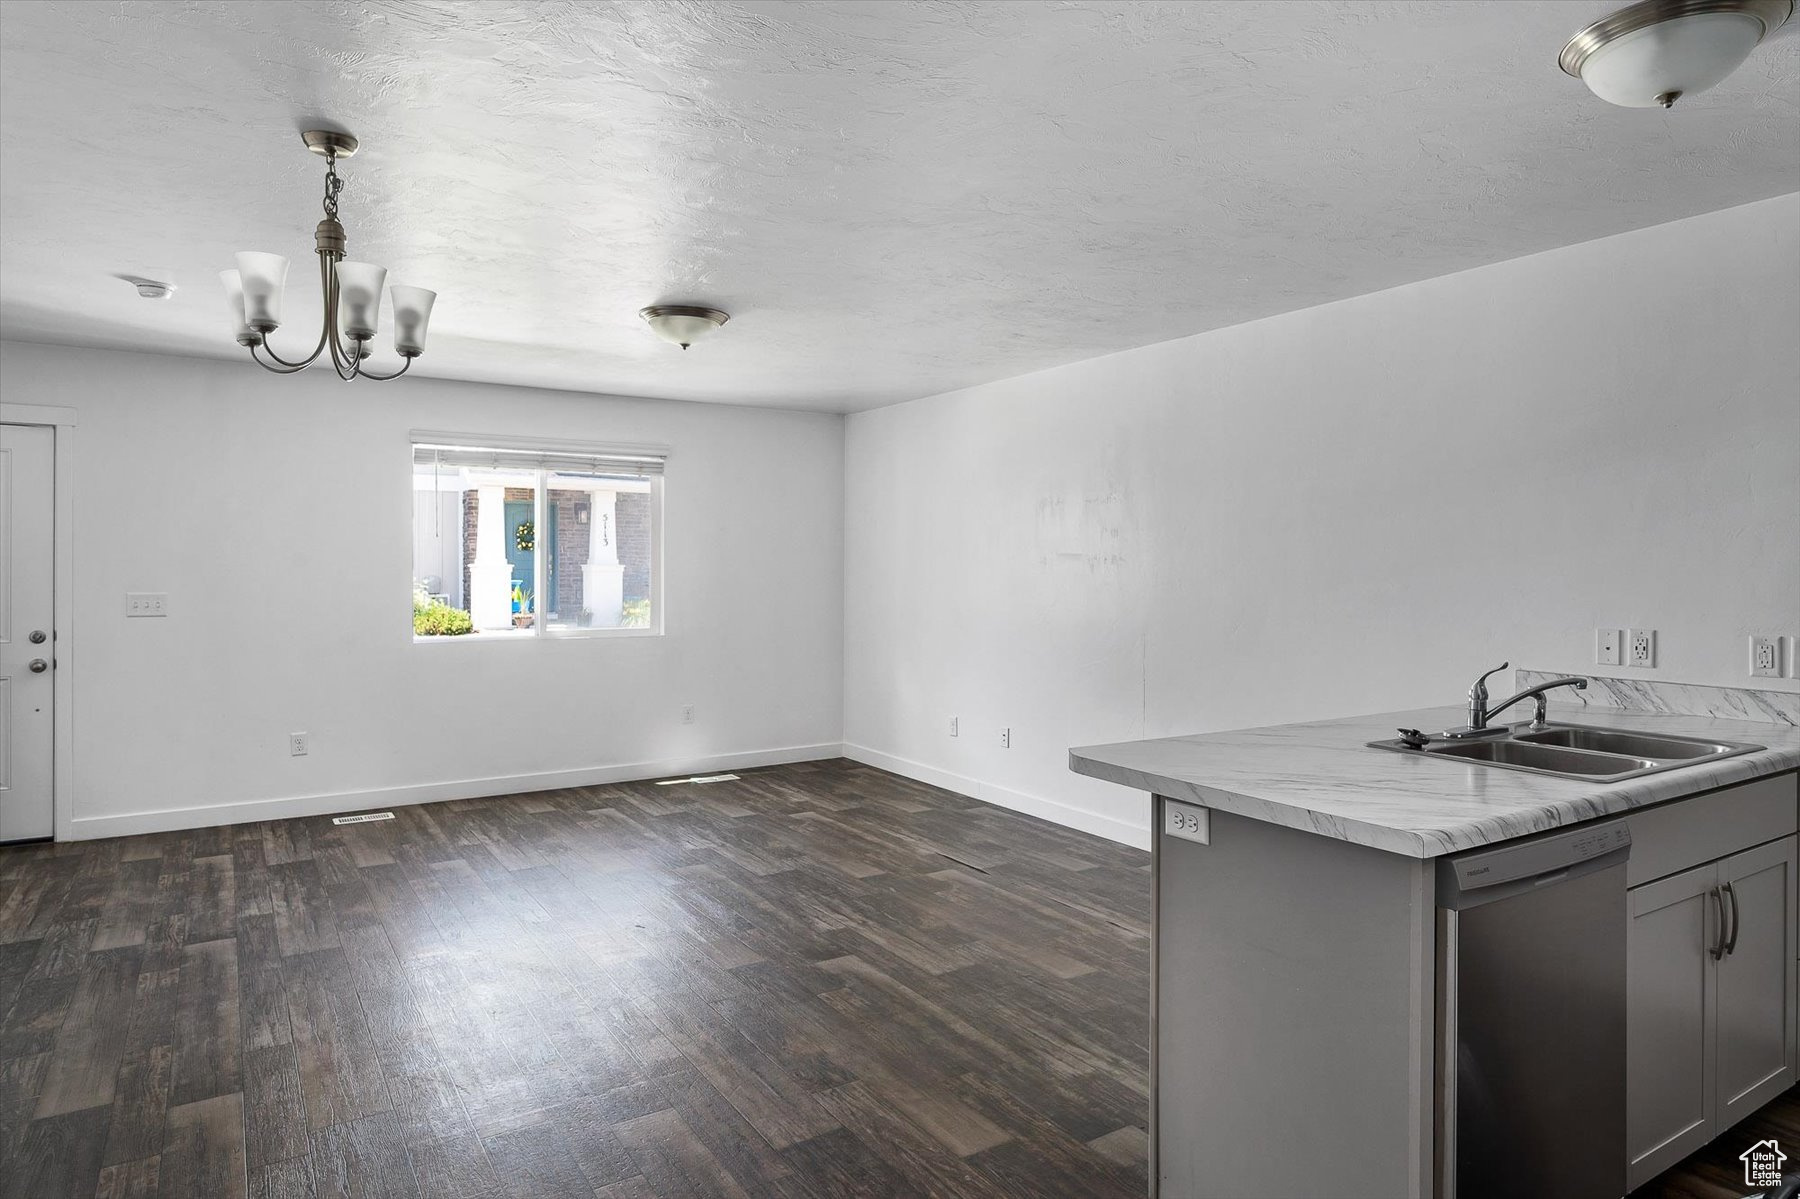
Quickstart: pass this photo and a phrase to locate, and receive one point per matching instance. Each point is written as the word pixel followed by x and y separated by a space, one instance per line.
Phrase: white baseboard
pixel 1112 828
pixel 169 819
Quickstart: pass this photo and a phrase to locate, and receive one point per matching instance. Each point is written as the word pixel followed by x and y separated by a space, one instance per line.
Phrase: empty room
pixel 869 599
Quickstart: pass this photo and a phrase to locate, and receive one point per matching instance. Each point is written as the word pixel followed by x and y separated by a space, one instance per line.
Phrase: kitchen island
pixel 1304 1009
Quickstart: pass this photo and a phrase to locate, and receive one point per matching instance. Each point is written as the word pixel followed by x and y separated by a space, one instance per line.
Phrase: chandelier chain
pixel 333 185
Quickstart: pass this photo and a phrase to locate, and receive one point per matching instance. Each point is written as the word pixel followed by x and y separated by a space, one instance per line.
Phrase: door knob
pixel 36 637
pixel 38 666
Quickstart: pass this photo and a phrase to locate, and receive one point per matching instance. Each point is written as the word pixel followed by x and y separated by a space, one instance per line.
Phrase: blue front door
pixel 518 516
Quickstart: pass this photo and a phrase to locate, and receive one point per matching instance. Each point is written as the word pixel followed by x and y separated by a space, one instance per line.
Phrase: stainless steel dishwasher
pixel 1531 1017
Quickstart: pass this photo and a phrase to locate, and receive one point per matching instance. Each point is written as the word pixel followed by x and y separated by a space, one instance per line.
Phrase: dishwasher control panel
pixel 1546 855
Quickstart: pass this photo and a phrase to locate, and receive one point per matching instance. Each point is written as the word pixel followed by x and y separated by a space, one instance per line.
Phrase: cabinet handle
pixel 1718 948
pixel 1731 945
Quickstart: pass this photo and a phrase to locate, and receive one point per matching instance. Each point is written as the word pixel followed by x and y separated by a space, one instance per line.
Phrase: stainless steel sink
pixel 1575 751
pixel 1637 745
pixel 1547 758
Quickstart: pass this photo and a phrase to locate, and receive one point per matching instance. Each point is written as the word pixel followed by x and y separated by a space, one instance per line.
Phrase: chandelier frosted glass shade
pixel 262 277
pixel 234 300
pixel 412 313
pixel 1651 54
pixel 359 298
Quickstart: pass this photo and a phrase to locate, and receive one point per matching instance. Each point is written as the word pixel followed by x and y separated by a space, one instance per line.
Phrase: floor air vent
pixel 362 819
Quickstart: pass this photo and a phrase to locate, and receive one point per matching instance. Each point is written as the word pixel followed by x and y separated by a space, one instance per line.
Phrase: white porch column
pixel 490 574
pixel 603 578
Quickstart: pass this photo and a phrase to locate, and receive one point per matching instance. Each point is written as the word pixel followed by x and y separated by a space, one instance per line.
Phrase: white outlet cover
pixel 1765 657
pixel 1188 822
pixel 954 727
pixel 1640 647
pixel 1609 647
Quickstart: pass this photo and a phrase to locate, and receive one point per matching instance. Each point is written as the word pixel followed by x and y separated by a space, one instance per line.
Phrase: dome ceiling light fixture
pixel 1656 52
pixel 352 291
pixel 682 324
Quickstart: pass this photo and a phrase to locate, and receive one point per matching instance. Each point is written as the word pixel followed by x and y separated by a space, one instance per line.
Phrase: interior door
pixel 1669 995
pixel 1756 1017
pixel 27 636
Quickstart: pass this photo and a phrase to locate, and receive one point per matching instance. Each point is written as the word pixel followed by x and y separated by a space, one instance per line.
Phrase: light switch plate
pixel 146 603
pixel 1187 822
pixel 1640 647
pixel 1609 647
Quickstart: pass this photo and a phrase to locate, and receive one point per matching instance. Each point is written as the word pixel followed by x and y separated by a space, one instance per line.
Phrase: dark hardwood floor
pixel 819 980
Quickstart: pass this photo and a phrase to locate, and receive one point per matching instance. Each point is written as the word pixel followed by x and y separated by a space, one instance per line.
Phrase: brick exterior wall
pixel 571 552
pixel 633 510
pixel 468 555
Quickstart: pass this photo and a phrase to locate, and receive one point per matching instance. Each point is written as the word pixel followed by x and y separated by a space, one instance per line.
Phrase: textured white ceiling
pixel 892 199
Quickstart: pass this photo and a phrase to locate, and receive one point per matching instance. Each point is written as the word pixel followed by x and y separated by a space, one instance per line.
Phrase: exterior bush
pixel 438 619
pixel 636 614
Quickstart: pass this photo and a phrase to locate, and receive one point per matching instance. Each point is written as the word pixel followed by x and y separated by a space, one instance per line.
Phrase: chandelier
pixel 351 290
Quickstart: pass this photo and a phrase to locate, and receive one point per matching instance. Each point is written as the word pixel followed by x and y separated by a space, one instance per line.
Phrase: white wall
pixel 276 513
pixel 1347 509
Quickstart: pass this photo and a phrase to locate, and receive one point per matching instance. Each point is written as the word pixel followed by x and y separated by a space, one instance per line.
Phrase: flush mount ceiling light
pixel 682 324
pixel 351 290
pixel 1658 51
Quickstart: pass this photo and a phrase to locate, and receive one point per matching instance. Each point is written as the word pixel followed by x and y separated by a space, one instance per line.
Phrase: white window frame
pixel 540 630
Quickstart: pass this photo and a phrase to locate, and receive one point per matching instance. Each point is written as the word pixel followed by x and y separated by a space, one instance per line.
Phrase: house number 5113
pixel 1187 822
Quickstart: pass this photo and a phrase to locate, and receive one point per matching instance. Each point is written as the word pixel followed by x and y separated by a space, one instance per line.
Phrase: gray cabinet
pixel 1754 1032
pixel 1669 1001
pixel 1710 1013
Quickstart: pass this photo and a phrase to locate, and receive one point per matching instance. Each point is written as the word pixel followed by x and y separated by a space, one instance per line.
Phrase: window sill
pixel 494 636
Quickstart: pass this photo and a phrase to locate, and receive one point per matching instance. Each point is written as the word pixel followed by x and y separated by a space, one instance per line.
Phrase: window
pixel 518 542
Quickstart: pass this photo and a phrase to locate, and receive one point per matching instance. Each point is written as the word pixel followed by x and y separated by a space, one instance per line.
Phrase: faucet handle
pixel 1480 687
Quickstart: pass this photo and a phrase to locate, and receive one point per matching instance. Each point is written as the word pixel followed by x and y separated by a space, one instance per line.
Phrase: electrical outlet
pixel 1187 822
pixel 953 727
pixel 146 603
pixel 1640 647
pixel 1608 647
pixel 687 713
pixel 1005 738
pixel 1765 657
pixel 297 745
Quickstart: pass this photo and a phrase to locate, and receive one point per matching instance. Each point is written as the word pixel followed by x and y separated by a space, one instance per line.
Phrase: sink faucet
pixel 1480 713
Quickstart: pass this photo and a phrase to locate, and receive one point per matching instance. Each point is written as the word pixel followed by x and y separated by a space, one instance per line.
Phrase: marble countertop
pixel 1323 778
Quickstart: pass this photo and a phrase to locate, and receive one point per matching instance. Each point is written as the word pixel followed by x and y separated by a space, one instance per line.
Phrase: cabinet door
pixel 1668 1050
pixel 1755 1021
